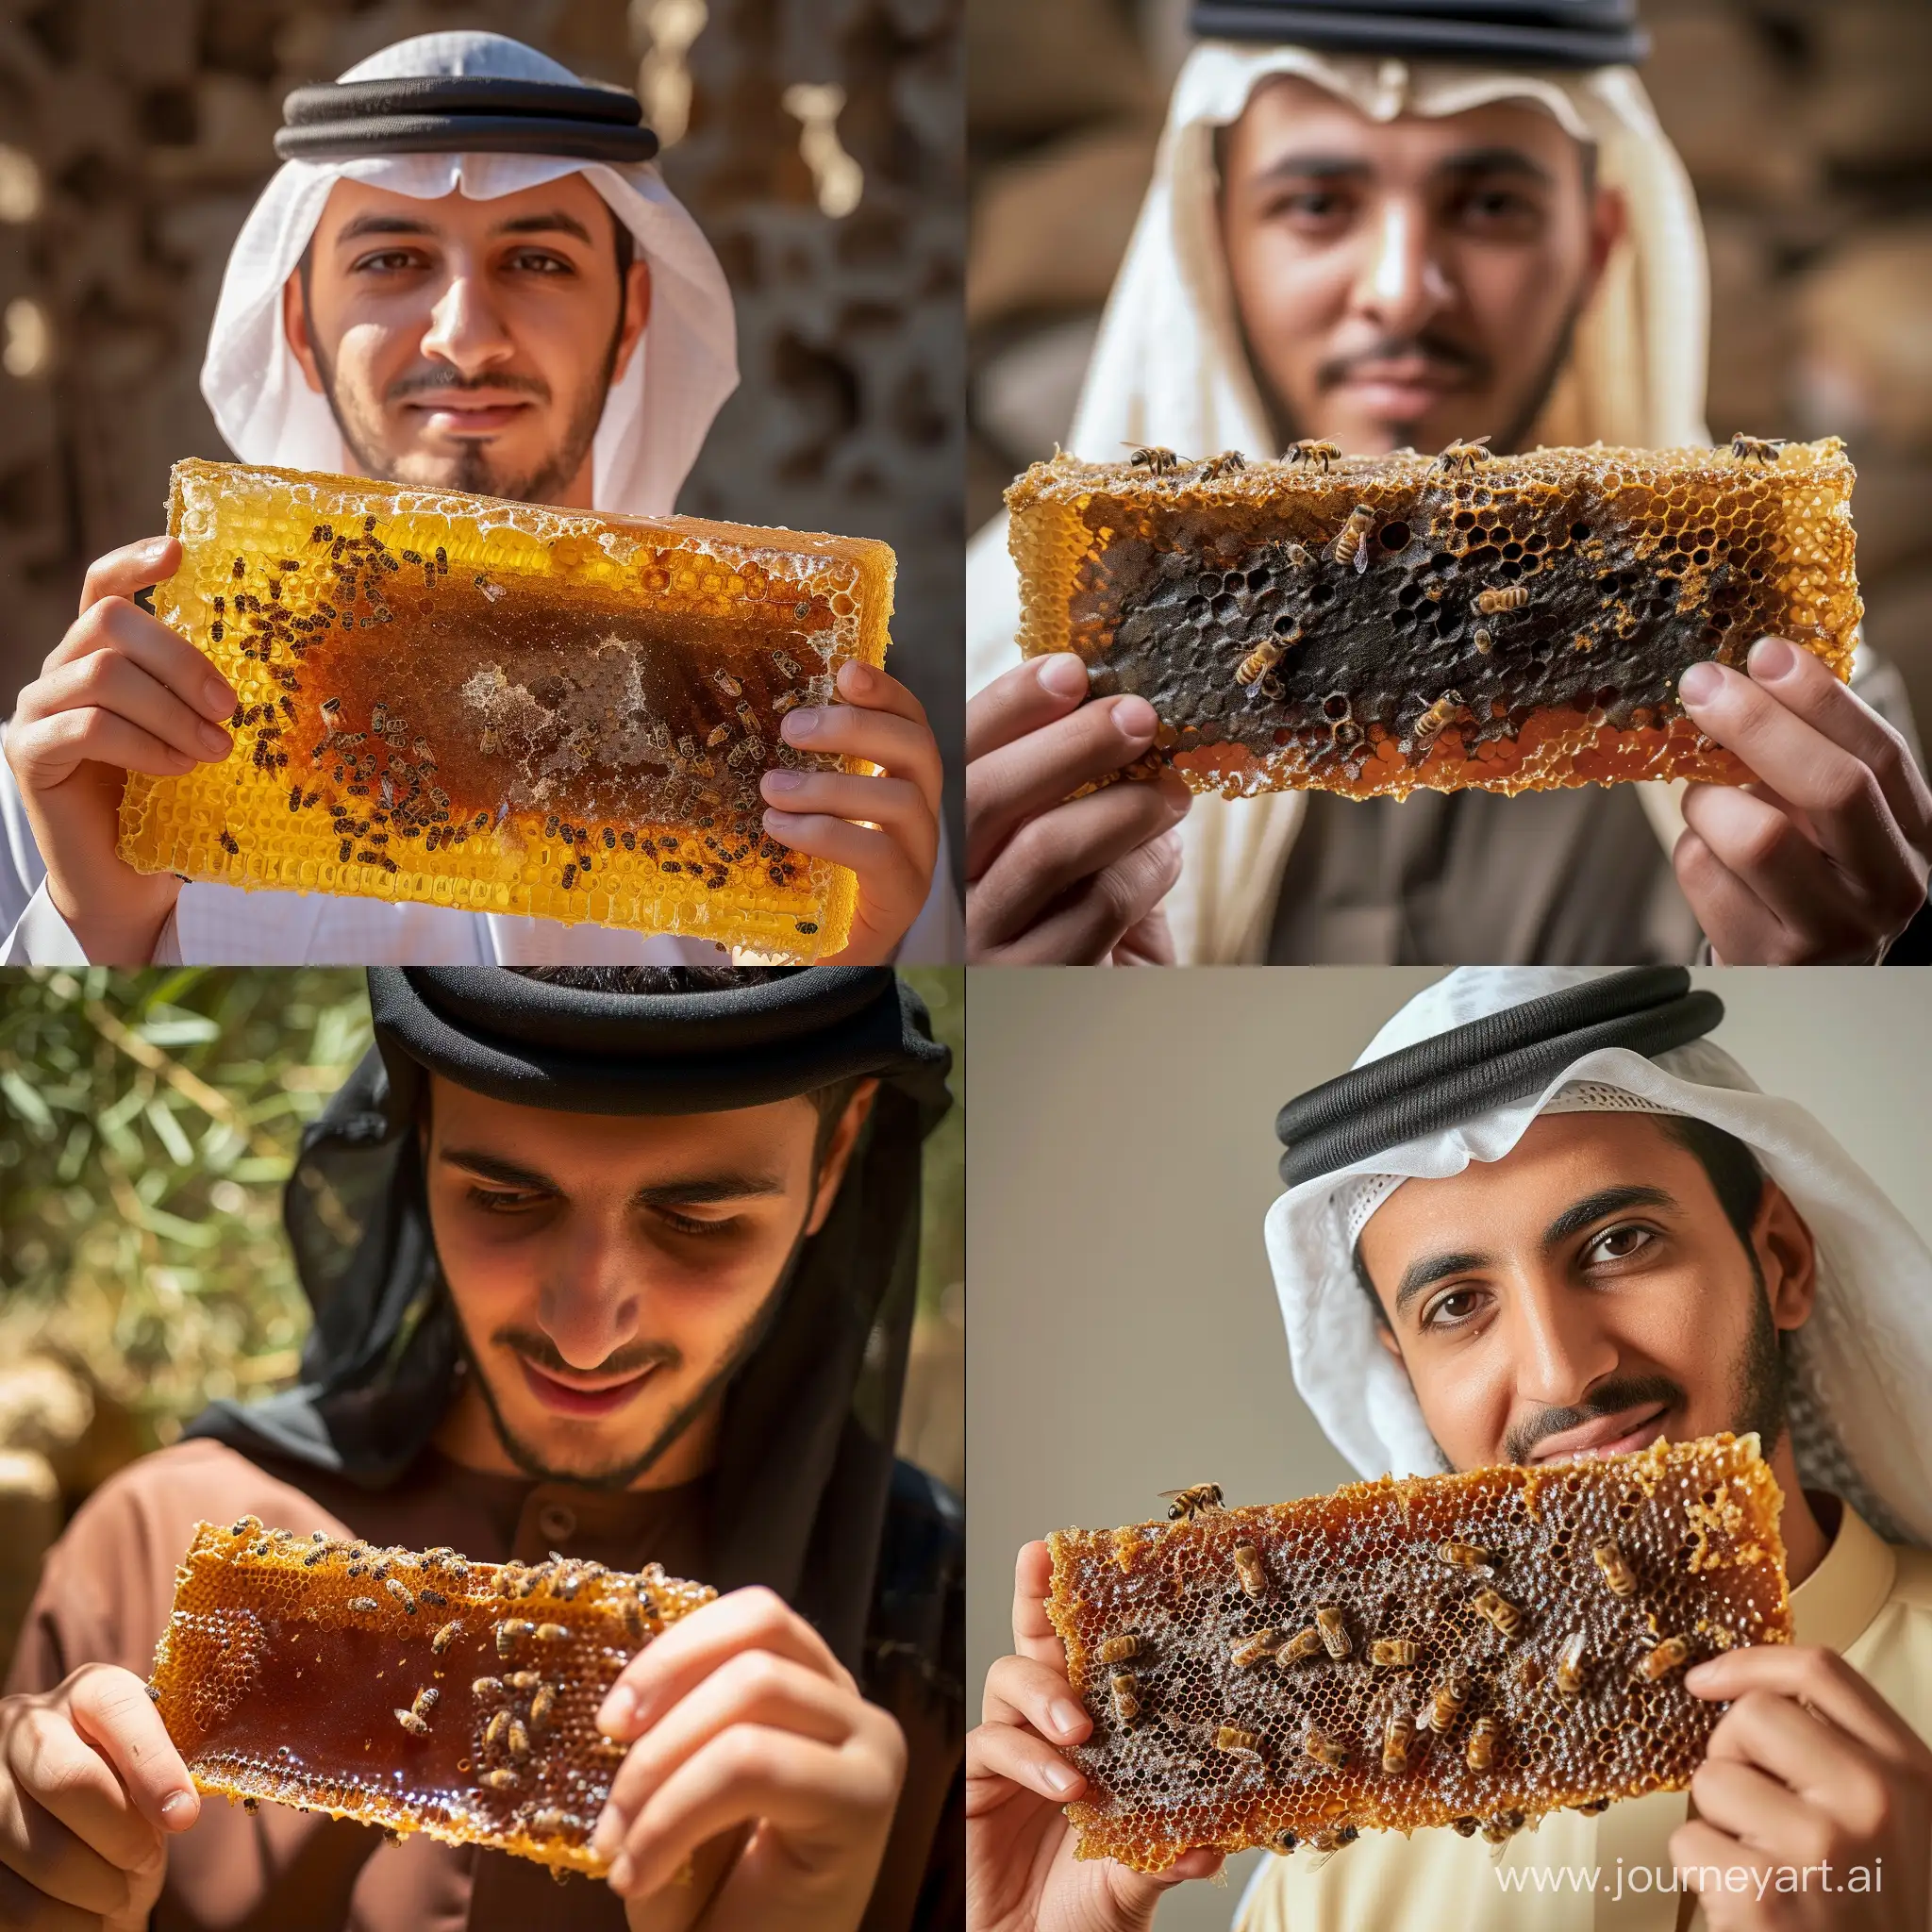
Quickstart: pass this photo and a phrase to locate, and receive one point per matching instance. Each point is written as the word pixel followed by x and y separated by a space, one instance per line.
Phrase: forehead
pixel 1287 116
pixel 457 213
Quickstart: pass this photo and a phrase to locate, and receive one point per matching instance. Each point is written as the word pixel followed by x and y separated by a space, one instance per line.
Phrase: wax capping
pixel 507 707
pixel 1370 626
pixel 411 1689
pixel 1474 1650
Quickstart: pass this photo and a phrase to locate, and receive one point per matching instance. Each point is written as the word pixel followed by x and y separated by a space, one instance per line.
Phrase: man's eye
pixel 1315 205
pixel 690 1225
pixel 505 1200
pixel 541 263
pixel 1447 1311
pixel 388 261
pixel 1620 1243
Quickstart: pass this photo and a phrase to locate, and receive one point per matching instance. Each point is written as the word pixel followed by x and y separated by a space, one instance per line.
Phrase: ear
pixel 1386 1336
pixel 295 330
pixel 1786 1256
pixel 1609 221
pixel 637 313
pixel 837 1154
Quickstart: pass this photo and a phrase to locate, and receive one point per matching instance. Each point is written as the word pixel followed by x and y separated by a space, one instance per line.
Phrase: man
pixel 1544 1217
pixel 467 274
pixel 1384 227
pixel 618 1261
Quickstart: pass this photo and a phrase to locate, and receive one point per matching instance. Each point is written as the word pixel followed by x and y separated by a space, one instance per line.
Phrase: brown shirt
pixel 105 1594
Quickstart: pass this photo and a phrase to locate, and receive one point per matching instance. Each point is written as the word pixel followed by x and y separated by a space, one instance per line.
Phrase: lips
pixel 468 419
pixel 579 1399
pixel 1610 1435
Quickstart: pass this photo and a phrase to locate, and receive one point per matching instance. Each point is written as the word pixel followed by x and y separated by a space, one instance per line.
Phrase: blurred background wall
pixel 147 1123
pixel 1125 1336
pixel 1804 129
pixel 818 142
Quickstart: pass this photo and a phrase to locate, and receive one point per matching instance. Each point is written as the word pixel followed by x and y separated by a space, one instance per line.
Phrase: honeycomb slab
pixel 411 1689
pixel 1374 624
pixel 1472 1650
pixel 506 708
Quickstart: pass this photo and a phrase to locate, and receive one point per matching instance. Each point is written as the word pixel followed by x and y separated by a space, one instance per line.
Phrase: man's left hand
pixel 885 827
pixel 1824 860
pixel 1809 1768
pixel 745 1723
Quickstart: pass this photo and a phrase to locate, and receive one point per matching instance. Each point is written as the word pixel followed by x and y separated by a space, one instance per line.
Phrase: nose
pixel 1402 284
pixel 465 329
pixel 1561 1349
pixel 590 1307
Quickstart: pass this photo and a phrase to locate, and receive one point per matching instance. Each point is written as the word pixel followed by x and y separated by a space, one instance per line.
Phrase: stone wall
pixel 146 127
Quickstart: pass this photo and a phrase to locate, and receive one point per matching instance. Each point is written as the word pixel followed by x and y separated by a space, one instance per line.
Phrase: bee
pixel 547 1823
pixel 524 1680
pixel 517 1739
pixel 391 1836
pixel 1334 1637
pixel 1283 1842
pixel 1155 460
pixel 1466 1556
pixel 1225 464
pixel 1328 1840
pixel 1449 1697
pixel 1464 1827
pixel 718 735
pixel 1660 1661
pixel 726 683
pixel 541 1705
pixel 503 1781
pixel 1616 1570
pixel 400 1591
pixel 1500 1829
pixel 1513 597
pixel 1745 449
pixel 251 1806
pixel 1392 1653
pixel 789 666
pixel 1570 1665
pixel 1125 1690
pixel 1185 1504
pixel 509 1631
pixel 1351 541
pixel 1483 641
pixel 1481 1748
pixel 154 1696
pixel 1464 457
pixel 1302 1645
pixel 444 1638
pixel 364 1604
pixel 552 1633
pixel 1433 721
pixel 1233 1738
pixel 1593 1807
pixel 1498 1610
pixel 1247 1564
pixel 415 1725
pixel 486 1687
pixel 1311 450
pixel 493 1730
pixel 1296 556
pixel 1244 1651
pixel 1398 1737
pixel 1118 1650
pixel 433 1596
pixel 424 1701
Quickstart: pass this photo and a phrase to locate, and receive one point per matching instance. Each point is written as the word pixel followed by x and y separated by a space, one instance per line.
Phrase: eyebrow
pixel 554 221
pixel 1464 163
pixel 686 1191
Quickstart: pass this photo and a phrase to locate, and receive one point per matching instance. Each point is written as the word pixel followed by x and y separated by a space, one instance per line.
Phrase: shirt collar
pixel 1834 1605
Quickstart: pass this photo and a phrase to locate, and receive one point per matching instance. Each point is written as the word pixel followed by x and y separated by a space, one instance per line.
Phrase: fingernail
pixel 1067 1717
pixel 802 724
pixel 784 781
pixel 781 824
pixel 219 699
pixel 857 679
pixel 179 1811
pixel 1063 675
pixel 214 740
pixel 609 1830
pixel 622 1872
pixel 1697 1673
pixel 1135 718
pixel 1772 657
pixel 1058 1776
pixel 619 1708
pixel 1700 684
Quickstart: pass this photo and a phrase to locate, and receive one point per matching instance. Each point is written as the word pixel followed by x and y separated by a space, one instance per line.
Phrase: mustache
pixel 538 1350
pixel 1436 350
pixel 1629 1392
pixel 447 382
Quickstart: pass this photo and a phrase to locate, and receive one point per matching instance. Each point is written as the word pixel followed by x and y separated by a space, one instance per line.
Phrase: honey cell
pixel 1386 624
pixel 507 707
pixel 278 1679
pixel 1583 1703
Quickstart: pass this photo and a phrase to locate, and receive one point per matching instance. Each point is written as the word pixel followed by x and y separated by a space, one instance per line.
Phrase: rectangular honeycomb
pixel 1472 1650
pixel 507 707
pixel 414 1690
pixel 1508 623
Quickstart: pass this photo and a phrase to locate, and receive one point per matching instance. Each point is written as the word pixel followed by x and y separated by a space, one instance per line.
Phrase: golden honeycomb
pixel 1570 1690
pixel 1391 622
pixel 507 707
pixel 410 1689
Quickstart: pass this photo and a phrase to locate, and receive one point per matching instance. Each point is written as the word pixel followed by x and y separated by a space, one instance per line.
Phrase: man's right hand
pixel 91 1787
pixel 1021 1872
pixel 1054 880
pixel 121 692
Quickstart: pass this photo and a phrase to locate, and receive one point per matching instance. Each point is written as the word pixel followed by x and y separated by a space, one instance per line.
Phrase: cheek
pixel 1519 296
pixel 1466 1401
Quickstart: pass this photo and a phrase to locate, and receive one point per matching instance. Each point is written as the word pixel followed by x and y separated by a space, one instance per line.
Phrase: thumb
pixel 1138 1892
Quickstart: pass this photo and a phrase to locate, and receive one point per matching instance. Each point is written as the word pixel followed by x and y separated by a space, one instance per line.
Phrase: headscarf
pixel 655 418
pixel 1169 366
pixel 1859 1365
pixel 807 1447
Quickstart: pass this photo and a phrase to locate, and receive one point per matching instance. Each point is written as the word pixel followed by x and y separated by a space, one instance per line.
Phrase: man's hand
pixel 744 1719
pixel 90 1786
pixel 1051 880
pixel 1825 860
pixel 885 827
pixel 1809 1767
pixel 121 692
pixel 1021 1872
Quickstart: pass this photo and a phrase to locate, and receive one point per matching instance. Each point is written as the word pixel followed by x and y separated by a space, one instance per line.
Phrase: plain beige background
pixel 1122 1335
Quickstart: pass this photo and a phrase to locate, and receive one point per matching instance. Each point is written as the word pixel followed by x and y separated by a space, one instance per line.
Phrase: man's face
pixel 468 344
pixel 609 1273
pixel 1587 1294
pixel 1412 281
